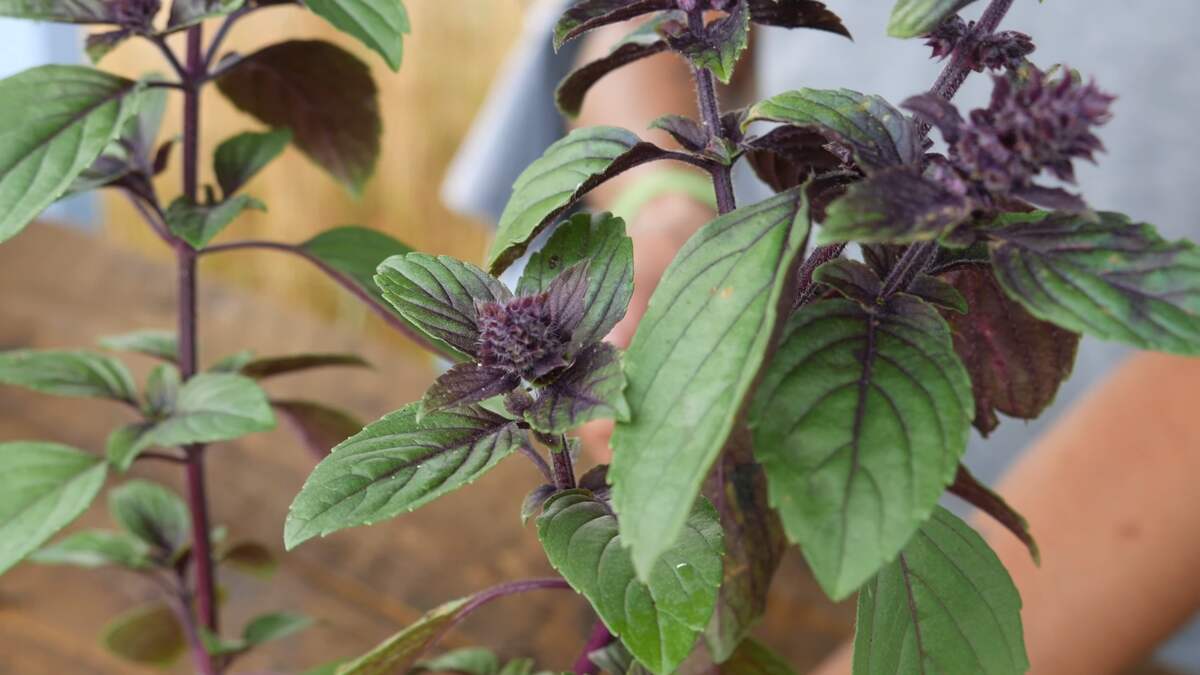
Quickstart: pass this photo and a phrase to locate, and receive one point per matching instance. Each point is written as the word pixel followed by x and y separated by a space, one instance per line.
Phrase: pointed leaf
pixel 324 94
pixel 274 626
pixel 319 426
pixel 945 605
pixel 569 169
pixel 970 490
pixel 753 658
pixel 153 514
pixel 378 24
pixel 271 366
pixel 1110 278
pixel 533 502
pixel 465 384
pixel 96 548
pixel 590 389
pixel 859 423
pixel 657 620
pixel 57 120
pixel 400 652
pixel 878 134
pixel 721 44
pixel 601 241
pixel 851 278
pixel 238 159
pixel 43 487
pixel 438 295
pixel 895 206
pixel 938 293
pixel 396 465
pixel 68 374
pixel 355 252
pixel 161 344
pixel 587 15
pixel 149 634
pixel 643 42
pixel 1016 361
pixel 197 224
pixel 913 18
pixel 796 14
pixel 722 297
pixel 211 407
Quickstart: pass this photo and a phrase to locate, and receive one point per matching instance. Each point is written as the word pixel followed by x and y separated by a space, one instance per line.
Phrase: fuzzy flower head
pixel 522 336
pixel 996 51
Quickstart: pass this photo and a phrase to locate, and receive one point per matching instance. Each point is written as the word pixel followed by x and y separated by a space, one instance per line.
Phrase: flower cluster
pixel 1003 50
pixel 521 336
pixel 1033 123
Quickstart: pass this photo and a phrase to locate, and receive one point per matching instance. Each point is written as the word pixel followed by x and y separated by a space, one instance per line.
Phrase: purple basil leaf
pixel 855 280
pixel 686 131
pixel 970 490
pixel 796 14
pixel 438 295
pixel 883 257
pixel 324 94
pixel 897 205
pixel 788 156
pixel 879 135
pixel 566 295
pixel 643 42
pixel 721 43
pixel 532 504
pixel 98 45
pixel 938 112
pixel 586 15
pixel 938 293
pixel 592 388
pixel 754 546
pixel 1054 199
pixel 569 169
pixel 596 481
pixel 239 158
pixel 464 384
pixel 601 241
pixel 270 366
pixel 319 426
pixel 1016 361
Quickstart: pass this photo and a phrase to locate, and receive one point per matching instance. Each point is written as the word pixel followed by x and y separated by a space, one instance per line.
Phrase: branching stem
pixel 710 113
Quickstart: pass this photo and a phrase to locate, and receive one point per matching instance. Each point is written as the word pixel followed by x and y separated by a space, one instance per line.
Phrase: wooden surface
pixel 62 289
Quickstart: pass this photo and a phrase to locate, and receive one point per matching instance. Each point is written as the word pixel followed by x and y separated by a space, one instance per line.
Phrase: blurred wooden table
pixel 63 289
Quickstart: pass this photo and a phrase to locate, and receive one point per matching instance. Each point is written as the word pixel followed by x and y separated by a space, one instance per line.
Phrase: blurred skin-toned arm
pixel 1111 496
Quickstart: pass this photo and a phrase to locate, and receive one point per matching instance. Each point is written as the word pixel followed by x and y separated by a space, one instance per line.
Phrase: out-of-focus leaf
pixel 796 14
pixel 153 514
pixel 274 626
pixel 239 158
pixel 913 18
pixel 252 558
pixel 587 15
pixel 197 224
pixel 378 24
pixel 753 658
pixel 319 426
pixel 355 252
pixel 643 42
pixel 186 13
pixel 96 548
pixel 270 366
pixel 894 206
pixel 149 635
pixel 468 660
pixel 161 344
pixel 400 652
pixel 63 373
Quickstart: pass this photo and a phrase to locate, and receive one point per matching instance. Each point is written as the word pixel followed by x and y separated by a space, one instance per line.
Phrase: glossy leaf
pixel 63 373
pixel 601 242
pixel 643 42
pixel 323 94
pixel 57 119
pixel 913 18
pixel 239 158
pixel 945 605
pixel 211 407
pixel 720 45
pixel 859 423
pixel 161 344
pixel 438 295
pixel 356 253
pixel 378 24
pixel 586 15
pixel 1111 278
pixel 753 658
pixel 272 366
pixel 96 548
pixel 796 14
pixel 1016 361
pixel 319 426
pixel 878 134
pixel 658 619
pixel 197 224
pixel 401 651
pixel 695 356
pixel 43 487
pixel 153 514
pixel 895 206
pixel 568 169
pixel 395 465
pixel 149 635
pixel 252 558
pixel 592 388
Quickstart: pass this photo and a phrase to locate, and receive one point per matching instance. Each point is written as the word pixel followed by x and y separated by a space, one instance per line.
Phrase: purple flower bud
pixel 1006 49
pixel 945 38
pixel 521 336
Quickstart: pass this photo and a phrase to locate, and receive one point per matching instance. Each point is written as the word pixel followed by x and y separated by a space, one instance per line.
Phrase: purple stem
pixel 820 256
pixel 564 472
pixel 343 280
pixel 599 639
pixel 710 113
pixel 183 613
pixel 538 461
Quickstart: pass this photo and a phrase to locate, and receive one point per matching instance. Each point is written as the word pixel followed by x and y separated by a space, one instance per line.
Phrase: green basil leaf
pixel 659 619
pixel 378 24
pixel 43 487
pixel 1107 277
pixel 76 11
pixel 64 373
pixel 274 626
pixel 355 252
pixel 753 658
pixel 945 605
pixel 400 652
pixel 469 660
pixel 395 465
pixel 161 344
pixel 149 634
pixel 913 18
pixel 238 159
pixel 153 514
pixel 197 224
pixel 57 121
pixel 859 423
pixel 186 13
pixel 96 548
pixel 722 298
